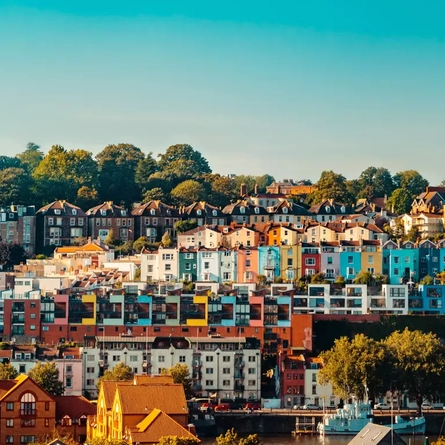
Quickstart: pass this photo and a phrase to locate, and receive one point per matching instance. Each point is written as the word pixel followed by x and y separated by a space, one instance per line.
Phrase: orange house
pixel 247 265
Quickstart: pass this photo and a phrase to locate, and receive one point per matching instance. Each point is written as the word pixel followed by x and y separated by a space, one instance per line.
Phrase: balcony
pixel 28 412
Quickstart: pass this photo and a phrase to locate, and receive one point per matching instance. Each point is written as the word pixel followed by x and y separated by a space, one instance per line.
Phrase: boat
pixel 353 417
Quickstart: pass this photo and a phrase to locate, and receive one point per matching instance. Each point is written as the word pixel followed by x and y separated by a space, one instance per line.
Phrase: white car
pixel 312 407
pixel 426 406
pixel 382 406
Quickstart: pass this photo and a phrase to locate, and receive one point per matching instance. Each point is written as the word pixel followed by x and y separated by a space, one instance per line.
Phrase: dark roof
pixel 160 209
pixel 74 407
pixel 110 208
pixel 65 208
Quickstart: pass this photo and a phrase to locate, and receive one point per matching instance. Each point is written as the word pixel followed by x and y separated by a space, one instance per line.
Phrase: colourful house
pixel 350 259
pixel 290 257
pixel 269 262
pixel 247 264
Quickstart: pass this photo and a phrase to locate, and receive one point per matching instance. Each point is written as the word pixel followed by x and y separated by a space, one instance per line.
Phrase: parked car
pixel 312 407
pixel 222 407
pixel 207 406
pixel 426 406
pixel 252 406
pixel 382 406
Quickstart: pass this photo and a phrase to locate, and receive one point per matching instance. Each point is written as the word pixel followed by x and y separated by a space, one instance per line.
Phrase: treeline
pixel 121 173
pixel 125 174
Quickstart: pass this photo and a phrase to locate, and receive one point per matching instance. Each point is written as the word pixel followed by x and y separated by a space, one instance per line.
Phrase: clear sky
pixel 288 88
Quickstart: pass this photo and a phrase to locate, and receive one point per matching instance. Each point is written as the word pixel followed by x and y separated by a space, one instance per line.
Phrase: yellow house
pixel 372 258
pixel 290 262
pixel 124 407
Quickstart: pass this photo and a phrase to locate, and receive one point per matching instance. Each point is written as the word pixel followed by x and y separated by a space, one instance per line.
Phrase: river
pixel 317 440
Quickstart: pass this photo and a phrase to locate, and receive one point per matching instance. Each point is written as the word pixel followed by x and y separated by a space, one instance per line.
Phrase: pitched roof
pixel 140 379
pixel 136 399
pixel 74 407
pixel 156 425
pixel 159 207
pixel 108 387
pixel 110 209
pixel 65 209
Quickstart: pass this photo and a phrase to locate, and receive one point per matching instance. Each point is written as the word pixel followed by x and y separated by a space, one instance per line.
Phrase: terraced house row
pixel 403 263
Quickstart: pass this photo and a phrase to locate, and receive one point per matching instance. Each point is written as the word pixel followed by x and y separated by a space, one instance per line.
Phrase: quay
pixel 286 421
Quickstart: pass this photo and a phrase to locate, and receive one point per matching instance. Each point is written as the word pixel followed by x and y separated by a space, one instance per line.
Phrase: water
pixel 318 440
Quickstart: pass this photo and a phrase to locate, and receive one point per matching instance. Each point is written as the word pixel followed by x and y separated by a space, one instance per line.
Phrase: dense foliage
pixel 409 362
pixel 123 173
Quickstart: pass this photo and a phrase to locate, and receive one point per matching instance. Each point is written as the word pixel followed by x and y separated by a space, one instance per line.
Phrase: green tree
pixel 155 194
pixel 8 162
pixel 413 234
pixel 145 168
pixel 377 181
pixel 222 189
pixel 12 253
pixel 183 160
pixel 411 181
pixel 188 192
pixel 427 280
pixel 8 372
pixel 15 185
pixel 331 185
pixel 181 374
pixel 340 280
pixel 117 170
pixel 46 375
pixel 110 240
pixel 319 278
pixel 87 197
pixel 31 157
pixel 140 244
pixel 419 363
pixel 119 372
pixel 185 226
pixel 354 366
pixel 231 438
pixel 166 241
pixel 400 201
pixel 364 277
pixel 175 440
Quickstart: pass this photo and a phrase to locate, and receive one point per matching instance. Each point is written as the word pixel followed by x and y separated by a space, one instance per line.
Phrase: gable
pixel 23 385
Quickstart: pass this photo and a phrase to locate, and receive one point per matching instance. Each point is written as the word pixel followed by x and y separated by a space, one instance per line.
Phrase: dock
pixel 305 425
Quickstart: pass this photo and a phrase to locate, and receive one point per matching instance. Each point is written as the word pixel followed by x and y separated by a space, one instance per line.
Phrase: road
pixel 304 412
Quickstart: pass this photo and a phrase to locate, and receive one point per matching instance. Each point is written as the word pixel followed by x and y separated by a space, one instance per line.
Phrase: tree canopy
pixel 46 375
pixel 7 371
pixel 121 371
pixel 231 437
pixel 180 374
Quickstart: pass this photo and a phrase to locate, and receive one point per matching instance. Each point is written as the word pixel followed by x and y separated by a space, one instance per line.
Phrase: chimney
pixel 255 189
pixel 243 189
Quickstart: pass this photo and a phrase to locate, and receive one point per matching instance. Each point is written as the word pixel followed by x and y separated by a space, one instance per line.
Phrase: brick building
pixel 108 216
pixel 28 412
pixel 60 224
pixel 18 225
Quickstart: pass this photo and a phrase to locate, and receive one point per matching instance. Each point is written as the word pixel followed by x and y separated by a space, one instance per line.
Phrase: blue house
pixel 429 299
pixel 350 259
pixel 429 257
pixel 269 262
pixel 400 264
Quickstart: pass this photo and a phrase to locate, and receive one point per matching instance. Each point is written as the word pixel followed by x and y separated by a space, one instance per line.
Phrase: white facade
pixel 200 237
pixel 208 266
pixel 229 367
pixel 316 393
pixel 160 266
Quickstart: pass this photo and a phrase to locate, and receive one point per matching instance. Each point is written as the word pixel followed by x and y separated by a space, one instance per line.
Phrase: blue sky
pixel 288 88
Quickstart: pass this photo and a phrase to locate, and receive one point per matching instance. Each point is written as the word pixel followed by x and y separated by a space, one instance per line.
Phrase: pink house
pixel 247 264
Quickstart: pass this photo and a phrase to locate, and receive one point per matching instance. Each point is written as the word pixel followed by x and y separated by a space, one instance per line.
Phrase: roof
pixel 111 210
pixel 66 209
pixel 90 246
pixel 373 434
pixel 108 387
pixel 156 425
pixel 153 379
pixel 74 407
pixel 137 399
pixel 160 209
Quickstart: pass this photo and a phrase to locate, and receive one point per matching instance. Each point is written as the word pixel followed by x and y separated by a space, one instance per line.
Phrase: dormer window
pixel 257 210
pixel 103 212
pixel 56 211
pixel 328 209
pixel 199 212
pixel 74 212
pixel 124 213
pixel 242 209
pixel 342 209
pixel 152 212
pixel 215 213
pixel 285 210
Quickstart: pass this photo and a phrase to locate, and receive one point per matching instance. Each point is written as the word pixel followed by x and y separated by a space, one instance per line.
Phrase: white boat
pixel 353 417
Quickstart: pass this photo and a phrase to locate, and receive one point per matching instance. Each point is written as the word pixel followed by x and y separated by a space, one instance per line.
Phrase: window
pixel 161 359
pixel 226 370
pixel 90 369
pixel 226 358
pixel 9 423
pixel 133 358
pixel 209 358
pixel 69 368
pixel 33 316
pixel 251 382
pixel 310 262
pixel 167 256
pixel 46 406
pixel 314 378
pixel 209 382
pixel 182 359
pixel 32 327
pixel 9 439
pixel 27 439
pixel 116 358
pixel 90 358
pixel 252 371
pixel 27 405
pixel 209 370
pixel 46 422
pixel 168 267
pixel 226 382
pixel 227 276
pixel 314 389
pixel 252 358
